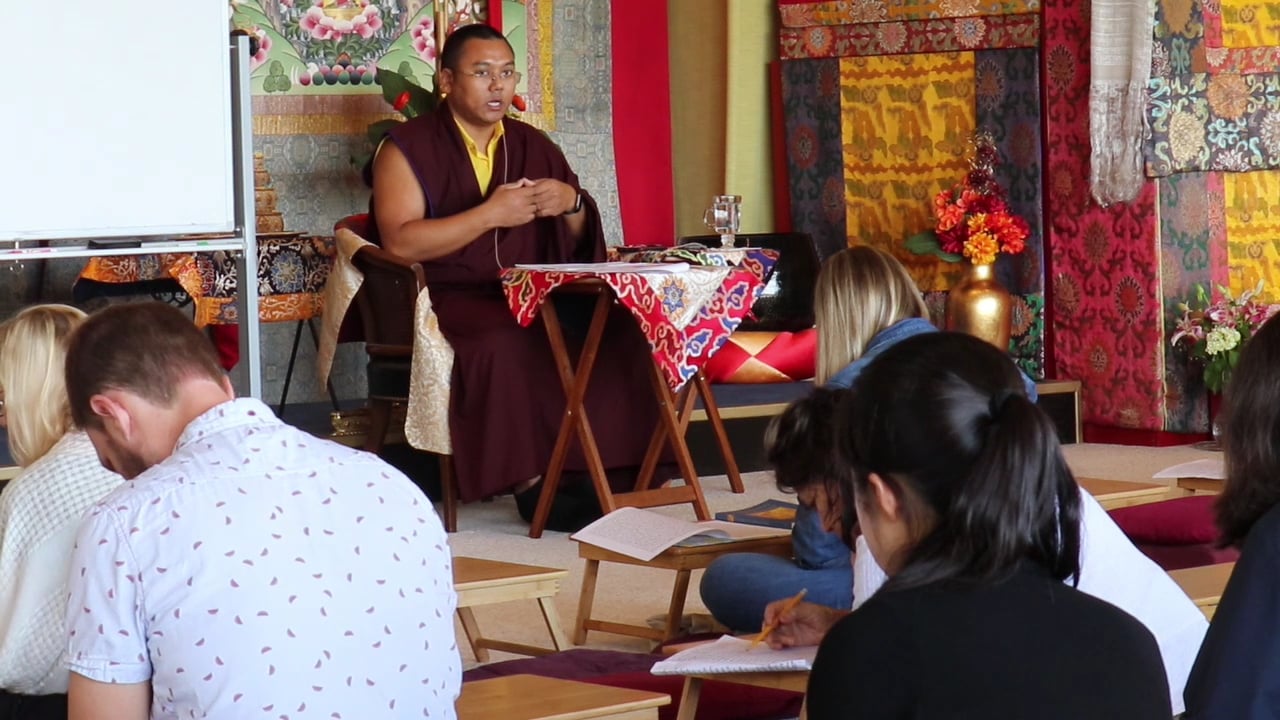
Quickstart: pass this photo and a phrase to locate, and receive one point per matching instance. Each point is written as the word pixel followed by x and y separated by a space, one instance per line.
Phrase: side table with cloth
pixel 465 398
pixel 684 317
pixel 292 271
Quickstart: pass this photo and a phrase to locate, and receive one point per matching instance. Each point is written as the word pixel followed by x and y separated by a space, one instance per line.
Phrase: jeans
pixel 737 587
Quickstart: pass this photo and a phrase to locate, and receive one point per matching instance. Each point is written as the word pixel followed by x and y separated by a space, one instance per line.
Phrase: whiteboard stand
pixel 247 375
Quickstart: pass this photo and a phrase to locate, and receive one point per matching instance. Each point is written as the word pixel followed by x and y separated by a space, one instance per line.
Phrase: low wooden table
pixel 530 697
pixel 794 681
pixel 684 560
pixel 1112 494
pixel 1204 584
pixel 485 582
pixel 1201 484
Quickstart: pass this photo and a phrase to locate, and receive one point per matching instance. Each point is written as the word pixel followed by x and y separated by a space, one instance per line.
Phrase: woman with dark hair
pixel 1237 674
pixel 958 485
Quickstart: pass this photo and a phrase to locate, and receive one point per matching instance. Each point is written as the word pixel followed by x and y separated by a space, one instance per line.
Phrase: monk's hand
pixel 554 197
pixel 513 204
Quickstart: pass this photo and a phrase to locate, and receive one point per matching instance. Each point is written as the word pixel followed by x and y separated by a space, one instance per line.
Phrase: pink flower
pixel 264 48
pixel 286 3
pixel 424 39
pixel 368 22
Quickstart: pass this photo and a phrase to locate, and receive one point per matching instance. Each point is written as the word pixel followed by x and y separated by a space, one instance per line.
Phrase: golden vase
pixel 980 306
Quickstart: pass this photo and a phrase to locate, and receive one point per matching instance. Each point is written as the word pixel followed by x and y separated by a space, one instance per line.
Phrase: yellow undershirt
pixel 481 162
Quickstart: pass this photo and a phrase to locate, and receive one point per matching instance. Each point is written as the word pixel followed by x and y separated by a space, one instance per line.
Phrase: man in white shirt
pixel 245 568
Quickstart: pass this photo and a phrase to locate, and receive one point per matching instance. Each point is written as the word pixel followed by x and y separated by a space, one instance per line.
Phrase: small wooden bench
pixel 684 560
pixel 485 582
pixel 1112 494
pixel 531 697
pixel 1204 584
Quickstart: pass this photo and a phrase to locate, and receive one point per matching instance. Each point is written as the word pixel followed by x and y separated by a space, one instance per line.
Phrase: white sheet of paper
pixel 730 655
pixel 672 268
pixel 1211 468
pixel 643 534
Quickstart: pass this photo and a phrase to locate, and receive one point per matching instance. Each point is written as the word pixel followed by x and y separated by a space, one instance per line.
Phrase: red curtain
pixel 642 121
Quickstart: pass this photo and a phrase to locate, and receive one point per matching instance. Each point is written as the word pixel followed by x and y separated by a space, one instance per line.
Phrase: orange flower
pixel 950 217
pixel 981 248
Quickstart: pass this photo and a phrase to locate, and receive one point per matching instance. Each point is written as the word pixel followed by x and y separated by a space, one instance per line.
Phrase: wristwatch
pixel 577 205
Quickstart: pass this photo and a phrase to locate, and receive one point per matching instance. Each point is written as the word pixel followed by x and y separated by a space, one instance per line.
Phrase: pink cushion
pixel 1183 521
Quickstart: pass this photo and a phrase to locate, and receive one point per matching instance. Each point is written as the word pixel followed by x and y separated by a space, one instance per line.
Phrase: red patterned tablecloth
pixel 685 316
pixel 291 277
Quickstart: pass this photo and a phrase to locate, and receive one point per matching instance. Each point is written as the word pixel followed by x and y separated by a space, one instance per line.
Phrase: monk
pixel 468 191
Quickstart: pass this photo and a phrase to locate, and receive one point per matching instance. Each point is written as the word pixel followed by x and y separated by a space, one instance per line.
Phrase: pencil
pixel 791 605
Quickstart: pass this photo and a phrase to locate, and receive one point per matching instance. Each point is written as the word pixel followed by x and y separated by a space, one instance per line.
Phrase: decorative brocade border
pixel 910 36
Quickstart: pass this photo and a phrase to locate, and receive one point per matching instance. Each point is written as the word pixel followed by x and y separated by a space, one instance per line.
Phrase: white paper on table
pixel 643 534
pixel 729 654
pixel 672 268
pixel 1211 468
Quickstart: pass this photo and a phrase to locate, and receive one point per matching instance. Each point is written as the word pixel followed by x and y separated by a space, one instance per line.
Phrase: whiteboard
pixel 117 121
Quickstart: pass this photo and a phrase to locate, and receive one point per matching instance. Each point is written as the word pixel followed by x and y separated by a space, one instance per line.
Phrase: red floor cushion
pixel 1177 533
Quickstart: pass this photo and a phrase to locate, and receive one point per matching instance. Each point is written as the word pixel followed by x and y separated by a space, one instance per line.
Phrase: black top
pixel 1024 647
pixel 1237 673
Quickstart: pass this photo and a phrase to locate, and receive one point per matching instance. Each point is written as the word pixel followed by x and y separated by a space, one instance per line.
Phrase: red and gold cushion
pixel 764 357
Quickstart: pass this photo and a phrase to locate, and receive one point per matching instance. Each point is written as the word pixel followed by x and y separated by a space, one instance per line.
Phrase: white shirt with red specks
pixel 260 571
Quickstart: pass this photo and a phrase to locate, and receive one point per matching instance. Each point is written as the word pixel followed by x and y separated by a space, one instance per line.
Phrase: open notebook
pixel 643 534
pixel 730 655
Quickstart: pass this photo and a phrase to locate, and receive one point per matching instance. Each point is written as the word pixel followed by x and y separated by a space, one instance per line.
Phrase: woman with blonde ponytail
pixel 40 509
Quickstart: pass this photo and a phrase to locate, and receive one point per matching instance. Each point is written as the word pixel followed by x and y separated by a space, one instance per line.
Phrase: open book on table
pixel 730 655
pixel 643 534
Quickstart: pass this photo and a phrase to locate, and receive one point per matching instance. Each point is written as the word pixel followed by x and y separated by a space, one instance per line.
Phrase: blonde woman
pixel 40 509
pixel 864 303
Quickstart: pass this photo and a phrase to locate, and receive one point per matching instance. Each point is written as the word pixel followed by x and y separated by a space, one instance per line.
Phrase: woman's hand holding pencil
pixel 791 623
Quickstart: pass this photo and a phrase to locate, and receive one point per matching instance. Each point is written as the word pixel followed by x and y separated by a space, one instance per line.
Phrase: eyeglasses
pixel 1 407
pixel 488 76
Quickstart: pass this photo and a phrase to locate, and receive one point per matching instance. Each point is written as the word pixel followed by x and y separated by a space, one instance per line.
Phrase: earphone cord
pixel 496 259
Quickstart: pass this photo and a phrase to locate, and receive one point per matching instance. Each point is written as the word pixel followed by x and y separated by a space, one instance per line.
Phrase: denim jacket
pixel 891 336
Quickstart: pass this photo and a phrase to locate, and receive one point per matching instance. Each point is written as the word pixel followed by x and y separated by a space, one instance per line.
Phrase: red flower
pixel 518 103
pixel 401 102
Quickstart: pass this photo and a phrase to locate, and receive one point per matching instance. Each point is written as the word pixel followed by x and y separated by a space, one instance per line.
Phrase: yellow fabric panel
pixel 697 39
pixel 905 125
pixel 748 162
pixel 1250 23
pixel 1253 230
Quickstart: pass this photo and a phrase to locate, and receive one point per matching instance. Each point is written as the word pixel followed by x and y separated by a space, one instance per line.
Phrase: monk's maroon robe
pixel 507 400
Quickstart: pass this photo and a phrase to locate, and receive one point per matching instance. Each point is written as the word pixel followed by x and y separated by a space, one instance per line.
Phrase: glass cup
pixel 724 216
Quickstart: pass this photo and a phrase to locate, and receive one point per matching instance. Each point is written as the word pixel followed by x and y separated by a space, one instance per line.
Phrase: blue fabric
pixel 737 587
pixel 891 336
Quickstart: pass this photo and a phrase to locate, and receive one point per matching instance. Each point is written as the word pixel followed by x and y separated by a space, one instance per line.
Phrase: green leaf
pixel 926 243
pixel 379 129
pixel 394 84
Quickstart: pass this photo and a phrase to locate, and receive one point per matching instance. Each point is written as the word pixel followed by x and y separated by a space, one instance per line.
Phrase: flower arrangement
pixel 973 219
pixel 1216 334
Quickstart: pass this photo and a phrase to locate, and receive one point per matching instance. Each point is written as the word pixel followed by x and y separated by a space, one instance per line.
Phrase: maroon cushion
pixel 1183 521
pixel 1177 557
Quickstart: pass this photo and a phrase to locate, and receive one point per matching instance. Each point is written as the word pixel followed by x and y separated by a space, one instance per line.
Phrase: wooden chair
pixel 386 302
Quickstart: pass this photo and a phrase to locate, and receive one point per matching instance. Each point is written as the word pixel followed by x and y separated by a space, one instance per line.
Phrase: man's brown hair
pixel 143 348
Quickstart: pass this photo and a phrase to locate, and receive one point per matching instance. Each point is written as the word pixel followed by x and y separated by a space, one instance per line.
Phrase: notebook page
pixel 730 655
pixel 636 533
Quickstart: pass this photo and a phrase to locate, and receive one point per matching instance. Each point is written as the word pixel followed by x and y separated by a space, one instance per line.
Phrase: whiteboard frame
pixel 247 375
